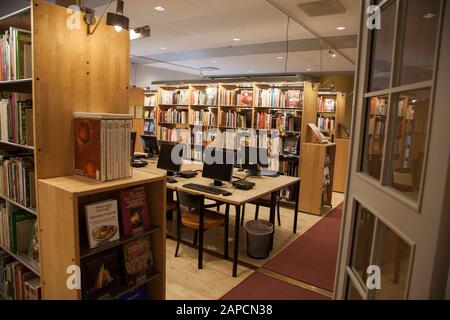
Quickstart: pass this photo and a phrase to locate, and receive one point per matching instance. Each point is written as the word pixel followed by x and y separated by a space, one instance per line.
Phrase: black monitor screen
pixel 248 156
pixel 150 144
pixel 218 164
pixel 132 142
pixel 170 159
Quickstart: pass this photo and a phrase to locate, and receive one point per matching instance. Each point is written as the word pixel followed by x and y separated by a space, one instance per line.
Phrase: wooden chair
pixel 199 219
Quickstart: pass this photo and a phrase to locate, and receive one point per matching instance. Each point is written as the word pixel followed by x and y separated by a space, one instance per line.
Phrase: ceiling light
pixel 429 15
pixel 236 39
pixel 309 69
pixel 414 101
pixel 250 71
pixel 141 32
pixel 118 20
pixel 159 8
pixel 214 61
pixel 332 53
pixel 163 48
pixel 279 58
pixel 341 28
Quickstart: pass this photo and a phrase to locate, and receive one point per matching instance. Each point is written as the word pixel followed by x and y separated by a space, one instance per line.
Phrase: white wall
pixel 143 75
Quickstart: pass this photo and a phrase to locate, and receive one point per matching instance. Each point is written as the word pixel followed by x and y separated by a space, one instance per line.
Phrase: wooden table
pixel 263 186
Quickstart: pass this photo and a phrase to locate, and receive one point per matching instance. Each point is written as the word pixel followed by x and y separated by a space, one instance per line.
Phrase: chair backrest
pixel 190 200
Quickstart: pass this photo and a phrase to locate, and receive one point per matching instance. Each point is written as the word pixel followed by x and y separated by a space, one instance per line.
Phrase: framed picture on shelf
pixel 290 145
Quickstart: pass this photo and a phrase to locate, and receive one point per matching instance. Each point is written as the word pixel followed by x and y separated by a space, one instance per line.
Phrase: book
pixel 100 146
pixel 140 293
pixel 134 211
pixel 291 145
pixel 102 222
pixel 138 259
pixel 100 274
pixel 33 248
pixel 246 98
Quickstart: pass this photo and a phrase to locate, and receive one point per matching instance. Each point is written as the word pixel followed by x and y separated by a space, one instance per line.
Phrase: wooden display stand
pixel 78 79
pixel 314 198
pixel 63 201
pixel 342 146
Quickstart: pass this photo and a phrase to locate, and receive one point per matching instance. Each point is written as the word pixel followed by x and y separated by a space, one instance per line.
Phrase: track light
pixel 141 32
pixel 117 19
pixel 332 53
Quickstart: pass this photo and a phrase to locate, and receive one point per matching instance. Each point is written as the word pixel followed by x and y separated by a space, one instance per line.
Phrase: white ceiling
pixel 188 25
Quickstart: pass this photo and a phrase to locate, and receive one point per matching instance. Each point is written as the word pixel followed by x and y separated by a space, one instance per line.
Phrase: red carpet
pixel 259 286
pixel 312 257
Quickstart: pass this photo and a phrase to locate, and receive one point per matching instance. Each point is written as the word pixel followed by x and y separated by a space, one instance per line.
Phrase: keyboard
pixel 202 188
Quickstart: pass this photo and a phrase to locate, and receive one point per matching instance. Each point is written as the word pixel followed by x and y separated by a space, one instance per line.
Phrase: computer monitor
pixel 252 158
pixel 168 162
pixel 150 145
pixel 218 165
pixel 132 144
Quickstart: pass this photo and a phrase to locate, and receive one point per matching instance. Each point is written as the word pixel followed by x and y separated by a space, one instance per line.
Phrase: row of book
pixel 102 145
pixel 149 126
pixel 180 97
pixel 174 135
pixel 17 178
pixel 17 282
pixel 15 54
pixel 16 119
pixel 18 231
pixel 326 123
pixel 173 116
pixel 278 98
pixel 242 98
pixel 149 114
pixel 204 97
pixel 233 119
pixel 376 126
pixel 150 101
pixel 105 273
pixel 205 118
pixel 326 105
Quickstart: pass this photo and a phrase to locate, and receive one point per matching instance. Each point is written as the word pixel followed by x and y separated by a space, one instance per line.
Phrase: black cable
pixel 287 45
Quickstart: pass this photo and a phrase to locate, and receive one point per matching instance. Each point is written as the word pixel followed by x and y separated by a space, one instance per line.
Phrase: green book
pixel 21 227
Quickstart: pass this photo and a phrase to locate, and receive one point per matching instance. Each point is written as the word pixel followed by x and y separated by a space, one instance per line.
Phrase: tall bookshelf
pixel 342 140
pixel 71 72
pixel 237 107
pixel 136 98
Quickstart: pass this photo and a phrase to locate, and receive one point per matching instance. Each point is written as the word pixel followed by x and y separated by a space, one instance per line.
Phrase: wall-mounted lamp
pixel 141 32
pixel 117 19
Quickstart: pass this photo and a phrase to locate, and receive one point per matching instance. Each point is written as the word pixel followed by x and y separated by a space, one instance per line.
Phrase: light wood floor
pixel 185 281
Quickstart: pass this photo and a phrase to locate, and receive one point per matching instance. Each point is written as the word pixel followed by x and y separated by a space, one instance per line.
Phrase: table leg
pixel 273 201
pixel 237 226
pixel 200 238
pixel 297 198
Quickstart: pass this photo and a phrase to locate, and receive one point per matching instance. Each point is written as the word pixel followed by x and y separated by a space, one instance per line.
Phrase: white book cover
pixel 102 222
pixel 128 168
pixel 103 142
pixel 109 144
pixel 116 149
pixel 121 148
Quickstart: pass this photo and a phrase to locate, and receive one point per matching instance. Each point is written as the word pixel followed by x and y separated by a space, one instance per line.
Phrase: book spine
pixel 121 147
pixel 103 139
pixel 128 167
pixel 109 142
pixel 116 149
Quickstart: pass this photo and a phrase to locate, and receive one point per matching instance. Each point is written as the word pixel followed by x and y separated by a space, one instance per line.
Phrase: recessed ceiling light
pixel 414 101
pixel 429 15
pixel 163 48
pixel 236 39
pixel 341 28
pixel 309 69
pixel 159 8
pixel 280 58
pixel 250 71
pixel 214 61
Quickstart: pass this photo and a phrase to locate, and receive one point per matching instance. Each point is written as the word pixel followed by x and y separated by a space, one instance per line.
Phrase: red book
pixel 134 211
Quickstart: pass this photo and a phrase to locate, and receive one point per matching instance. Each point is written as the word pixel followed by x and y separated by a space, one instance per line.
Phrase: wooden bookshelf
pixel 79 79
pixel 64 232
pixel 342 140
pixel 136 98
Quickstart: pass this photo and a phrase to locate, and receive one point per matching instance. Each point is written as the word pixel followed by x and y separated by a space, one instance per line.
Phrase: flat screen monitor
pixel 170 158
pixel 150 145
pixel 218 165
pixel 252 158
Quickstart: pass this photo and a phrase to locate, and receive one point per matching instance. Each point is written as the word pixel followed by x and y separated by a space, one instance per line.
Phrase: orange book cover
pixel 87 141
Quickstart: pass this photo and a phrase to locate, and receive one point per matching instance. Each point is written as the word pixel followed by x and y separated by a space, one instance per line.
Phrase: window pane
pixel 394 256
pixel 420 38
pixel 382 46
pixel 409 144
pixel 362 243
pixel 375 135
pixel 352 293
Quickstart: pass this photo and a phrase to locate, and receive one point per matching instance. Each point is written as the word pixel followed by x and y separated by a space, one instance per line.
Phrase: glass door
pixel 391 237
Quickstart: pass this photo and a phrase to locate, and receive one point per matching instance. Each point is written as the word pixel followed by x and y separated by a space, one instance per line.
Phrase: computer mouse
pixel 226 194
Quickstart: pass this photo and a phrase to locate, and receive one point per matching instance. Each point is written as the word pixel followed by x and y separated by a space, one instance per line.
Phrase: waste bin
pixel 259 238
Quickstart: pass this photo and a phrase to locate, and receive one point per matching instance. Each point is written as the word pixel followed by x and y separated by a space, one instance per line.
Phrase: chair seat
pixel 263 201
pixel 171 205
pixel 212 219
